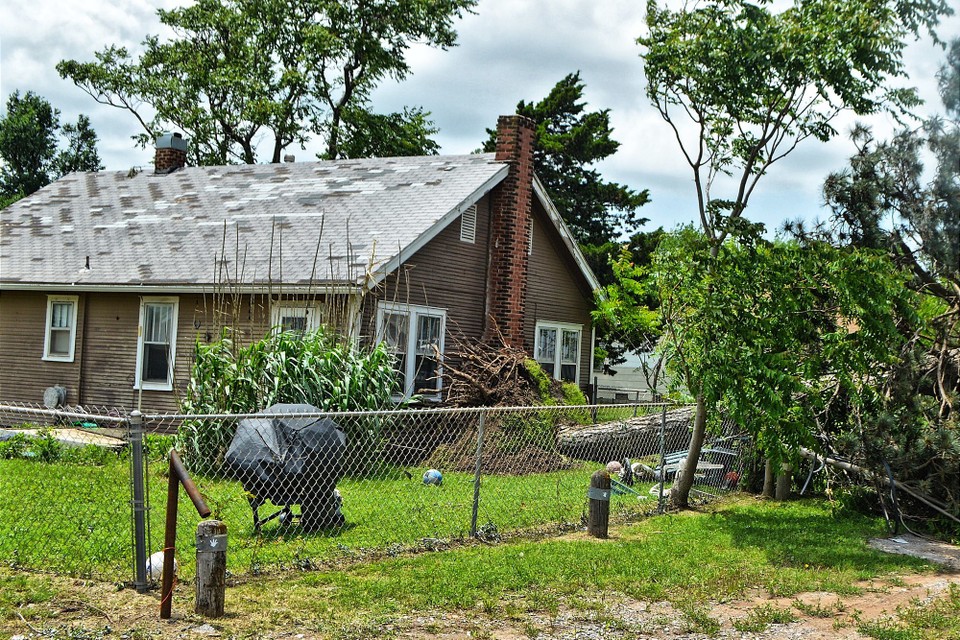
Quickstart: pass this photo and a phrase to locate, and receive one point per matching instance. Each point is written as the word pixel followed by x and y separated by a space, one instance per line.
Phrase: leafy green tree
pixel 29 139
pixel 79 153
pixel 235 72
pixel 569 141
pixel 741 86
pixel 28 143
pixel 885 200
pixel 631 328
pixel 372 135
pixel 770 333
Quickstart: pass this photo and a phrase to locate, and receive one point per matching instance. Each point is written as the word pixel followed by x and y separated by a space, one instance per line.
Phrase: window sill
pixel 57 358
pixel 146 386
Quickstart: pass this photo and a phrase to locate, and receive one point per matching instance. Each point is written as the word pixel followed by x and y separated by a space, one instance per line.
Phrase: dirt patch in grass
pixel 93 610
pixel 504 453
pixel 946 555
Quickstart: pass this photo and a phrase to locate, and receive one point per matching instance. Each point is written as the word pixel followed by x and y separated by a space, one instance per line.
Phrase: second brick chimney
pixel 510 228
pixel 171 153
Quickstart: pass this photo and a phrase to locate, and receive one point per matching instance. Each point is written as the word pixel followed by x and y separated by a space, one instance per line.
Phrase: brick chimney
pixel 510 228
pixel 171 153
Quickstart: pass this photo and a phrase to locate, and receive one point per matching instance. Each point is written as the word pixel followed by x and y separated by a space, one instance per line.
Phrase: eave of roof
pixel 405 252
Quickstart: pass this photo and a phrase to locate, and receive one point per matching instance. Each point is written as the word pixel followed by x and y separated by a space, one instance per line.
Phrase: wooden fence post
pixel 599 494
pixel 211 567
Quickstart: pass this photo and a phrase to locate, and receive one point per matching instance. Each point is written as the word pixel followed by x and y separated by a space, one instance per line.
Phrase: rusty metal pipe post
pixel 178 475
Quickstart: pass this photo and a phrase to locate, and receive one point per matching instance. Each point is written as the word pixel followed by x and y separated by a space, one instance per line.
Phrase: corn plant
pixel 316 368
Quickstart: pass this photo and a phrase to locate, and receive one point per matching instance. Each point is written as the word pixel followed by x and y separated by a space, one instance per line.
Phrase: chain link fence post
pixel 138 502
pixel 663 457
pixel 476 477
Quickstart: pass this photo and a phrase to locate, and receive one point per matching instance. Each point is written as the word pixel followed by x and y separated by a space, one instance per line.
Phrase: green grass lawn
pixel 75 519
pixel 691 560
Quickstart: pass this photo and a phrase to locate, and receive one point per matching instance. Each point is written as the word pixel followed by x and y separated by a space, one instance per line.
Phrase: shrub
pixel 44 447
pixel 15 447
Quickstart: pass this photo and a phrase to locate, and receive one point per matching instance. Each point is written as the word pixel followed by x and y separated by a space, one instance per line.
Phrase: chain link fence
pixel 299 488
pixel 65 490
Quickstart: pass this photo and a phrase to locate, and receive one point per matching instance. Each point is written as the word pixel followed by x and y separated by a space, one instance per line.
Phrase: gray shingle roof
pixel 283 223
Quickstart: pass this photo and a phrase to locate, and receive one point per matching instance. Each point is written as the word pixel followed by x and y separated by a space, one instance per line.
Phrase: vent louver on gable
pixel 468 225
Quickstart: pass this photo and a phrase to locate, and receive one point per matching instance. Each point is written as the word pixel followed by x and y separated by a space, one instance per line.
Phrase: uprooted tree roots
pixel 495 374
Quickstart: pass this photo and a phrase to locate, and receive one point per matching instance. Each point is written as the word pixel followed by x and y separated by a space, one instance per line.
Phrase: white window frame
pixel 413 312
pixel 560 327
pixel 146 385
pixel 311 310
pixel 48 328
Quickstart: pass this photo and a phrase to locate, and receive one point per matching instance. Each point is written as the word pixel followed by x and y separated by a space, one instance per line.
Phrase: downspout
pixel 593 346
pixel 83 348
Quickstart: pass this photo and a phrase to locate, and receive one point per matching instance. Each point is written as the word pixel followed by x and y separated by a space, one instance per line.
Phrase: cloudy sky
pixel 508 50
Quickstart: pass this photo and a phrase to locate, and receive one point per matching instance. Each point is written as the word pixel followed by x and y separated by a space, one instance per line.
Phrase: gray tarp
pixel 291 460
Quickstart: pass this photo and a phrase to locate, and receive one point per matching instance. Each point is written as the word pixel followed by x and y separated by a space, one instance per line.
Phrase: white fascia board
pixel 181 288
pixel 565 233
pixel 403 253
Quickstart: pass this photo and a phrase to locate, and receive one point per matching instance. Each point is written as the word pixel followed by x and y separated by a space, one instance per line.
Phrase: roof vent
pixel 468 224
pixel 289 158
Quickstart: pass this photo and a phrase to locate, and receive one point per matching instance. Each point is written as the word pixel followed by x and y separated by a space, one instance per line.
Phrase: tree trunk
pixel 680 491
pixel 783 481
pixel 768 479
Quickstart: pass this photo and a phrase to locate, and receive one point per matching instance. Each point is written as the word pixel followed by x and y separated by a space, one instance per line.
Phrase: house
pixel 108 279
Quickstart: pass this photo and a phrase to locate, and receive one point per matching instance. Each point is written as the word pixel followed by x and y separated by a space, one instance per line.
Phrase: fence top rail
pixel 406 412
pixel 60 413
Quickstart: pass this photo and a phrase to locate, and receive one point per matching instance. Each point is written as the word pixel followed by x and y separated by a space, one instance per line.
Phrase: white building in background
pixel 629 384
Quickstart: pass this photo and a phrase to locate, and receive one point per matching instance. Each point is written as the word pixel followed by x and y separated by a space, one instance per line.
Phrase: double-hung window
pixel 157 343
pixel 414 335
pixel 61 328
pixel 557 350
pixel 296 317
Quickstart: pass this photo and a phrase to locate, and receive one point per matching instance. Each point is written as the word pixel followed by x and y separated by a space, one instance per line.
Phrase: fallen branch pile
pixel 488 374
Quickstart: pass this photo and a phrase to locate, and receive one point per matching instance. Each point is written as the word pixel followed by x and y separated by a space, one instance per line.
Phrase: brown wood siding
pixel 447 274
pixel 556 290
pixel 24 374
pixel 105 355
